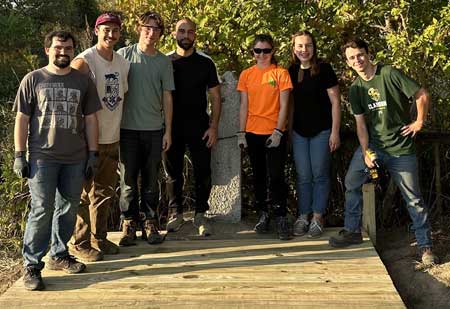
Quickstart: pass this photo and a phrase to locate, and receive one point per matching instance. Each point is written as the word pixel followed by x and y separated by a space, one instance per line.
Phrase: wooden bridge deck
pixel 242 271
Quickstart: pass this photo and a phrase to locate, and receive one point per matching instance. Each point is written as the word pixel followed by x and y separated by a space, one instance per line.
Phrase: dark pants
pixel 268 162
pixel 140 153
pixel 201 162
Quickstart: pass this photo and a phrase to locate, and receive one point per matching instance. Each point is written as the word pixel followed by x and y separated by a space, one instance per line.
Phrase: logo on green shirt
pixel 374 94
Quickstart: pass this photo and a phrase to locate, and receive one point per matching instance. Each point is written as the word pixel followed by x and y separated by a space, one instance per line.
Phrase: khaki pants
pixel 96 199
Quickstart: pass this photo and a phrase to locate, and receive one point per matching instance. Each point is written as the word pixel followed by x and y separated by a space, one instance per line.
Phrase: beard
pixel 185 44
pixel 62 61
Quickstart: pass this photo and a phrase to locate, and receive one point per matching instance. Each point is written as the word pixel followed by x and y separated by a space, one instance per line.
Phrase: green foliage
pixel 14 195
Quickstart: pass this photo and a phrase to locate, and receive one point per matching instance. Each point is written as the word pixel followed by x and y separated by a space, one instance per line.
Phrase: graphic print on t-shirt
pixel 375 96
pixel 58 106
pixel 112 88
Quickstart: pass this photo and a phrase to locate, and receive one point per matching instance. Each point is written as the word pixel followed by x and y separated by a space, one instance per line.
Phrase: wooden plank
pixel 369 221
pixel 246 273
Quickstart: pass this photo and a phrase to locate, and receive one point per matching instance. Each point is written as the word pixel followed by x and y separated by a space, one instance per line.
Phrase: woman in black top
pixel 314 123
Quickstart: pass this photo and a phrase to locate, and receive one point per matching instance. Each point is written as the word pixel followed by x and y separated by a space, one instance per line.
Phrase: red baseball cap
pixel 108 18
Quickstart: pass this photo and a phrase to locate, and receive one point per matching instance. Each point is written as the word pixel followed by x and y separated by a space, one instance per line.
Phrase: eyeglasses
pixel 67 49
pixel 262 50
pixel 147 28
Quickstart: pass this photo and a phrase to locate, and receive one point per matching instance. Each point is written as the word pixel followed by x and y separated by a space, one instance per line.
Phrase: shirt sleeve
pixel 406 84
pixel 167 76
pixel 25 98
pixel 329 77
pixel 242 83
pixel 355 101
pixel 293 73
pixel 91 101
pixel 213 79
pixel 126 70
pixel 284 80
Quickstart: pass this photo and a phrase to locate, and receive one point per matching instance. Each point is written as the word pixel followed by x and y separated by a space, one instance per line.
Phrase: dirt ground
pixel 418 287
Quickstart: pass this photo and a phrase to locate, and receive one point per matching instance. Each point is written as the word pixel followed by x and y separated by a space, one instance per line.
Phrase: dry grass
pixel 10 263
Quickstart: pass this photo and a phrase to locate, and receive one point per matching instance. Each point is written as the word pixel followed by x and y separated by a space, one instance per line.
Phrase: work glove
pixel 21 166
pixel 274 139
pixel 90 168
pixel 242 142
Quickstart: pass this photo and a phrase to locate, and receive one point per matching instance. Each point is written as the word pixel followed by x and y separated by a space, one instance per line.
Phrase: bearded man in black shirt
pixel 195 76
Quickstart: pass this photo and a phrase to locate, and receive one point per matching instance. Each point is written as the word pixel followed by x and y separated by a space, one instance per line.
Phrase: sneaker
pixel 32 279
pixel 315 229
pixel 105 246
pixel 175 223
pixel 152 232
pixel 345 239
pixel 128 236
pixel 283 228
pixel 263 223
pixel 201 223
pixel 301 226
pixel 428 257
pixel 68 263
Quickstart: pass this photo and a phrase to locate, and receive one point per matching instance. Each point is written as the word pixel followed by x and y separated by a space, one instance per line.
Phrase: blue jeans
pixel 140 154
pixel 403 170
pixel 55 195
pixel 312 163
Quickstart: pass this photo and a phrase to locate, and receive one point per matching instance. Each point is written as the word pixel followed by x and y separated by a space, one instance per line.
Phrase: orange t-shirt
pixel 263 87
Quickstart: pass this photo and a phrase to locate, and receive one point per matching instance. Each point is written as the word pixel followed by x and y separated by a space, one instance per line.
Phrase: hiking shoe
pixel 263 223
pixel 32 279
pixel 152 232
pixel 428 257
pixel 283 228
pixel 201 223
pixel 315 229
pixel 85 253
pixel 345 239
pixel 175 222
pixel 301 226
pixel 128 236
pixel 105 246
pixel 68 263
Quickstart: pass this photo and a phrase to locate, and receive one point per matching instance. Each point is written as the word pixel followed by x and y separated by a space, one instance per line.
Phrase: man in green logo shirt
pixel 380 99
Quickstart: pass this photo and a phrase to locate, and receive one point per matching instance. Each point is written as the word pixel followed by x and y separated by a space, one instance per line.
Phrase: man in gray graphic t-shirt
pixel 55 108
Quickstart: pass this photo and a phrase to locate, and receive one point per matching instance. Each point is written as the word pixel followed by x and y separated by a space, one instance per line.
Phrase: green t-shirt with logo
pixel 148 78
pixel 385 100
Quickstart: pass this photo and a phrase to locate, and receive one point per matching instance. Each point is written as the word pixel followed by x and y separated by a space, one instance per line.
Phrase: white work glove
pixel 242 142
pixel 274 139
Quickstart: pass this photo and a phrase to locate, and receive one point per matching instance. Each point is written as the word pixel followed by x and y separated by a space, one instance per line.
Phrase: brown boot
pixel 85 253
pixel 105 246
pixel 128 233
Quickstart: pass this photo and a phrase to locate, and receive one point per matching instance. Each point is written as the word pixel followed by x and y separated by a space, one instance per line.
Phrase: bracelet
pixel 278 130
pixel 19 154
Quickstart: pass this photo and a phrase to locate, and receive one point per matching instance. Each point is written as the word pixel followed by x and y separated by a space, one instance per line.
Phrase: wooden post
pixel 369 222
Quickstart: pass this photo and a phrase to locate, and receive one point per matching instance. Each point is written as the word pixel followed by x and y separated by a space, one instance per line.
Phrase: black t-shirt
pixel 312 106
pixel 193 75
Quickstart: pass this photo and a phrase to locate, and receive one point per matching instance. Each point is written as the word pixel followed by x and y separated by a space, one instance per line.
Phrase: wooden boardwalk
pixel 244 270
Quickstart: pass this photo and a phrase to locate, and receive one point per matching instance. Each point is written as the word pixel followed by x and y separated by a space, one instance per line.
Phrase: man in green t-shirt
pixel 380 99
pixel 145 130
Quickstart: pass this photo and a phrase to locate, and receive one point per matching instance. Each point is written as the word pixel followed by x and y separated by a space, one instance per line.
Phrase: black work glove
pixel 21 166
pixel 90 168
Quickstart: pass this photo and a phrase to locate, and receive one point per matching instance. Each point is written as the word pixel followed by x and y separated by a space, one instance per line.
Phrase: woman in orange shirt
pixel 265 89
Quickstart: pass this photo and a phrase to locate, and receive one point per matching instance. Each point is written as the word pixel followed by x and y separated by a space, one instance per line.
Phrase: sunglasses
pixel 262 50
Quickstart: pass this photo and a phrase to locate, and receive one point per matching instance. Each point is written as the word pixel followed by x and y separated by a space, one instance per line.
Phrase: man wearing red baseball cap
pixel 109 70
